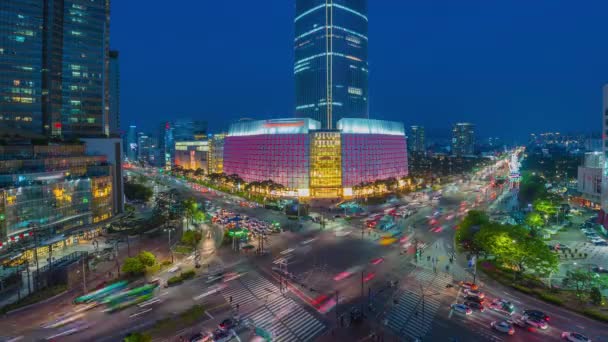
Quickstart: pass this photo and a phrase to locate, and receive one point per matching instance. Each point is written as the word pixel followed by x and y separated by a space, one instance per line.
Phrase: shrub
pixel 551 298
pixel 595 315
pixel 522 288
pixel 166 263
pixel 187 275
pixel 174 280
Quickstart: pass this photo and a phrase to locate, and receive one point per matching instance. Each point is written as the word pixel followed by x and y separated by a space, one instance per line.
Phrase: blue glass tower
pixel 330 68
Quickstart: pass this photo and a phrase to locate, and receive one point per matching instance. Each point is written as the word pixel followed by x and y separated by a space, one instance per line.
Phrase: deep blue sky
pixel 511 67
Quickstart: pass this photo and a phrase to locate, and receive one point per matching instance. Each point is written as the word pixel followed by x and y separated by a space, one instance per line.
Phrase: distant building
pixel 331 69
pixel 415 140
pixel 189 130
pixel 603 214
pixel 590 179
pixel 144 147
pixel 131 148
pixel 114 93
pixel 463 139
pixel 192 155
pixel 166 145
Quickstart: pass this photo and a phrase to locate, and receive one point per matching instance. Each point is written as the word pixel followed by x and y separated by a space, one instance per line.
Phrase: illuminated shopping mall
pixel 314 162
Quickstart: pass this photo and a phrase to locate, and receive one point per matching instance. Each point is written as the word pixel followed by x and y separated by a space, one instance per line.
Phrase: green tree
pixel 199 216
pixel 596 296
pixel 578 279
pixel 191 238
pixel 190 208
pixel 147 258
pixel 137 192
pixel 469 226
pixel 535 220
pixel 133 266
pixel 138 337
pixel 531 188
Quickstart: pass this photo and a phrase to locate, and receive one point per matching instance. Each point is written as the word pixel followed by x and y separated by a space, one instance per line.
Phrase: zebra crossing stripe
pixel 240 296
pixel 260 287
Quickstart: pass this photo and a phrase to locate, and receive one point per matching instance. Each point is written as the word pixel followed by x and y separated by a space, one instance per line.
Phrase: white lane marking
pixel 208 314
pixel 164 293
pixel 140 313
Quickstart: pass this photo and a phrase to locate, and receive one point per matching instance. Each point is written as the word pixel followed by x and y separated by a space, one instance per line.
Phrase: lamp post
pixel 169 230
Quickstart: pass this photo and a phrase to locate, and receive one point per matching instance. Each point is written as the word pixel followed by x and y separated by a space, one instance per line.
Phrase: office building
pixel 114 100
pixel 166 145
pixel 590 179
pixel 315 162
pixel 131 144
pixel 145 144
pixel 189 130
pixel 603 213
pixel 21 40
pixel 331 69
pixel 192 155
pixel 52 191
pixel 463 139
pixel 415 140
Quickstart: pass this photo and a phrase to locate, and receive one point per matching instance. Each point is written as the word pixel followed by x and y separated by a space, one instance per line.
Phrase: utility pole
pixel 84 274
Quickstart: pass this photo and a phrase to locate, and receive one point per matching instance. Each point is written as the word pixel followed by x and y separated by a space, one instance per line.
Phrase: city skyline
pixel 434 69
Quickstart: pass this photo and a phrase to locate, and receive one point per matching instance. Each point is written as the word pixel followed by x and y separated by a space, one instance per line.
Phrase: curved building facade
pixel 315 162
pixel 330 68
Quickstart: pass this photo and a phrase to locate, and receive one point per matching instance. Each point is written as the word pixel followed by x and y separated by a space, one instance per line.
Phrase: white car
pixel 503 327
pixel 461 308
pixel 536 322
pixel 575 337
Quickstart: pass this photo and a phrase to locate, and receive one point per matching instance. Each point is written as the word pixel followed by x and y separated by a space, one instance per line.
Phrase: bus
pixel 131 297
pixel 101 293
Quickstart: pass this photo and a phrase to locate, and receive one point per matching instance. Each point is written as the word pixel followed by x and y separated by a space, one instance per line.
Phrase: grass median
pixel 183 320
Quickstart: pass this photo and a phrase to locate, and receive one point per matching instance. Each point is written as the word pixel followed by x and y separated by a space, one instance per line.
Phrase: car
pixel 377 261
pixel 503 306
pixel 575 337
pixel 461 308
pixel 503 327
pixel 227 324
pixel 474 293
pixel 468 285
pixel 475 306
pixel 599 269
pixel 474 299
pixel 536 322
pixel 197 338
pixel 601 243
pixel 536 314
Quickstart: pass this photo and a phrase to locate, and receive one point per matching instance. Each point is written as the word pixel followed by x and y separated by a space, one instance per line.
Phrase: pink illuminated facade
pixel 299 155
pixel 369 157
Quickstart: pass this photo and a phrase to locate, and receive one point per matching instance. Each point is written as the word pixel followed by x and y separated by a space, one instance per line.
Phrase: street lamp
pixel 169 230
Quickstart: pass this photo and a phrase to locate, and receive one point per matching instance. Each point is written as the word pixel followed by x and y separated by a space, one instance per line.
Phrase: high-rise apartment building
pixel 53 66
pixel 331 69
pixel 416 139
pixel 114 101
pixel 463 139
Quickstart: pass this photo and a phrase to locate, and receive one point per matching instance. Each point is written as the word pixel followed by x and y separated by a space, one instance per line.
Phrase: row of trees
pixel 137 265
pixel 264 187
pixel 512 246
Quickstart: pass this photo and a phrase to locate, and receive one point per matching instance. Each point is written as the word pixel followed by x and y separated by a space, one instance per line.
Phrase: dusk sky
pixel 510 67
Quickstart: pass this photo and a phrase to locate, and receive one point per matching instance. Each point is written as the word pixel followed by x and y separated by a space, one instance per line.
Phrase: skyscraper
pixel 603 214
pixel 463 139
pixel 75 68
pixel 330 69
pixel 114 93
pixel 416 139
pixel 187 130
pixel 20 65
pixel 131 146
pixel 54 66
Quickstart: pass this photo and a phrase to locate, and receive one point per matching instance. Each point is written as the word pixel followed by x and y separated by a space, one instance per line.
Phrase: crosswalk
pixel 247 291
pixel 259 286
pixel 414 313
pixel 285 320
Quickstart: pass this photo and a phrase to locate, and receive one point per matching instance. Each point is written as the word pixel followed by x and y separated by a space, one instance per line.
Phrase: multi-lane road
pixel 330 273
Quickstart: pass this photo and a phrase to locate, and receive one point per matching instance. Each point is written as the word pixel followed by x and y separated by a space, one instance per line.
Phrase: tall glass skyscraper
pixel 330 69
pixel 20 65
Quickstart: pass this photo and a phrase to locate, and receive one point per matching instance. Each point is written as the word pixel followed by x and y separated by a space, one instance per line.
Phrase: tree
pixel 137 192
pixel 596 295
pixel 578 279
pixel 133 266
pixel 191 238
pixel 469 226
pixel 535 220
pixel 147 258
pixel 531 188
pixel 190 208
pixel 138 337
